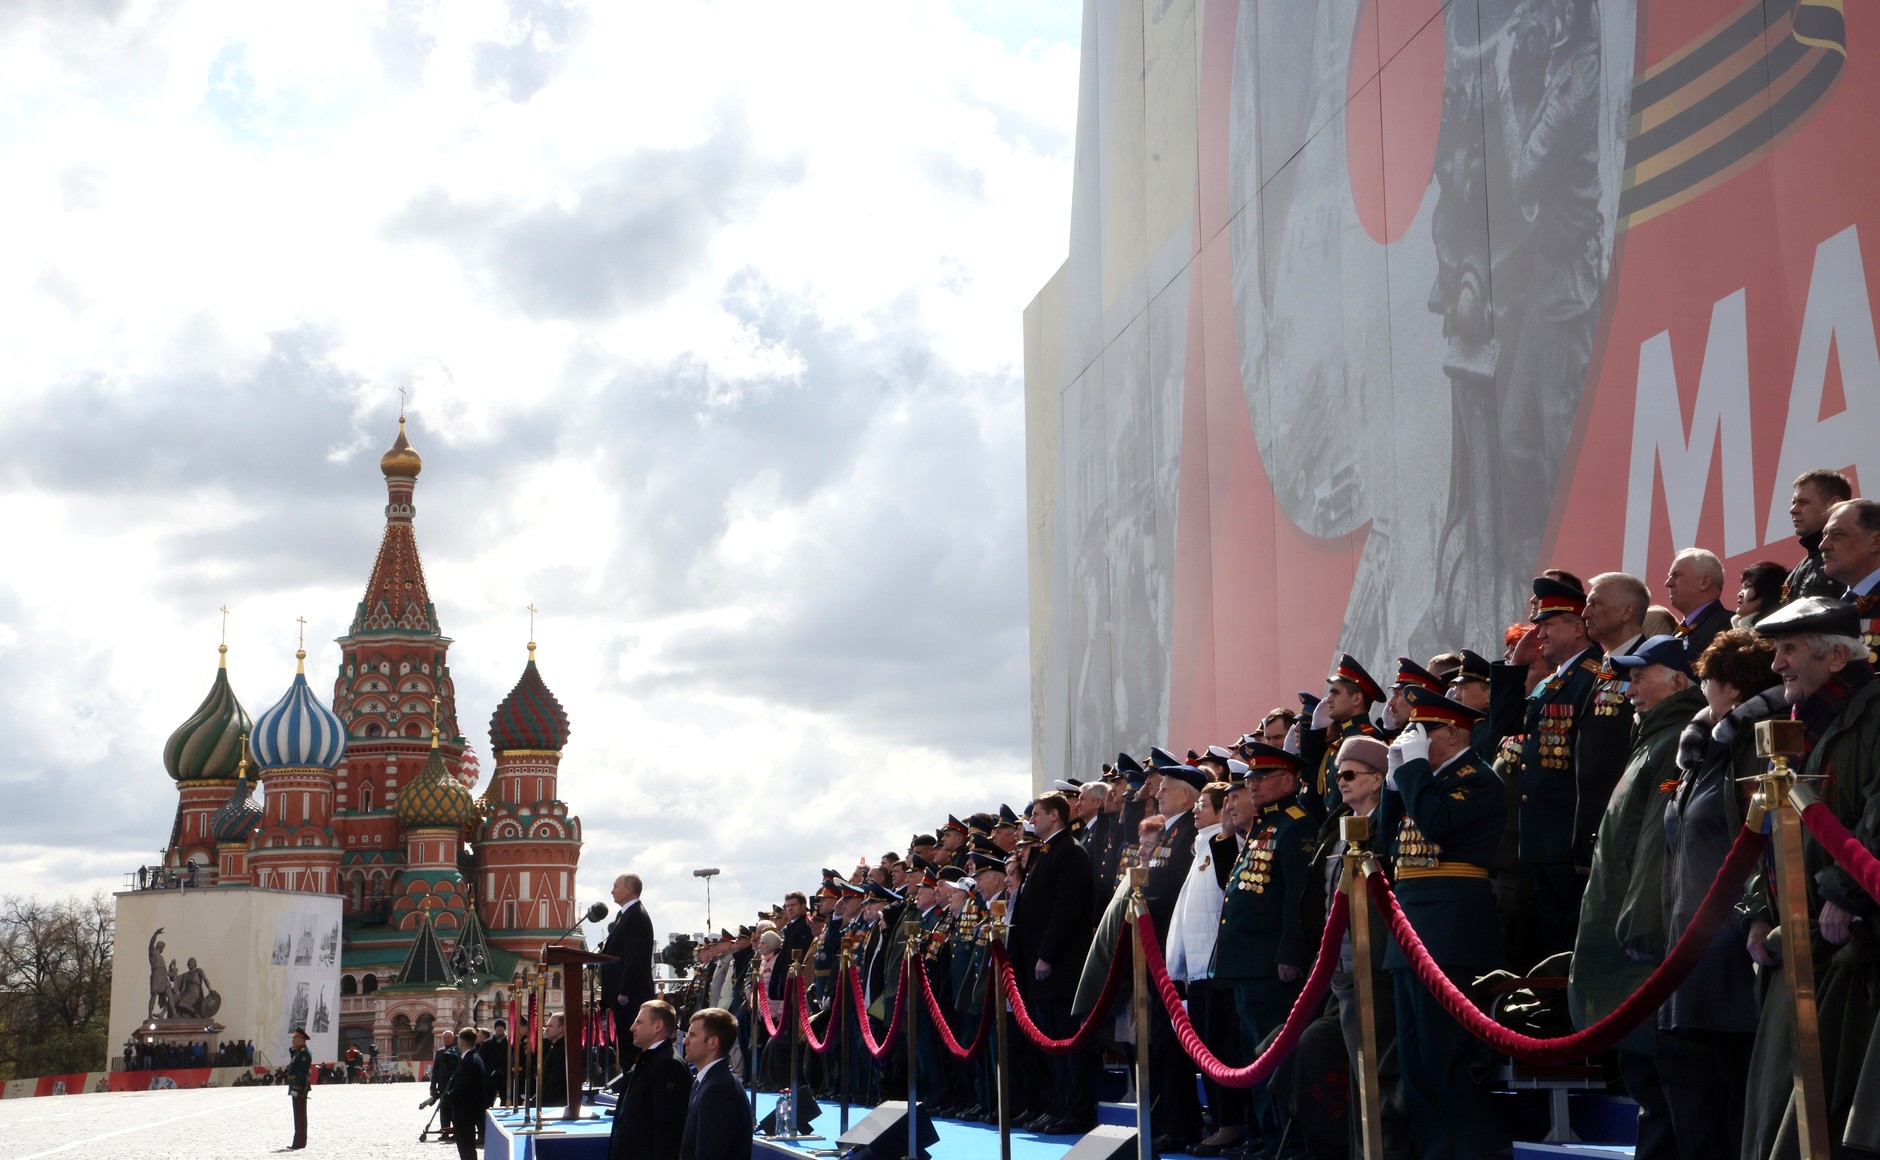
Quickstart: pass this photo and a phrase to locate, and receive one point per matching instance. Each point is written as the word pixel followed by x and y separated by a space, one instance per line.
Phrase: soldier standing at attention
pixel 1549 720
pixel 299 1079
pixel 1269 930
pixel 1440 821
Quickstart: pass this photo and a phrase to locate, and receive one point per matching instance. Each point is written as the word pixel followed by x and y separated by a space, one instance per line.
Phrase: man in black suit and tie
pixel 718 1124
pixel 1695 586
pixel 467 1094
pixel 649 1122
pixel 1051 931
pixel 627 982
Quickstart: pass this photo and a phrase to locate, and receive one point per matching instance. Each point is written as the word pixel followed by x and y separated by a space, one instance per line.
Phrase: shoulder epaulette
pixel 1295 813
pixel 1591 666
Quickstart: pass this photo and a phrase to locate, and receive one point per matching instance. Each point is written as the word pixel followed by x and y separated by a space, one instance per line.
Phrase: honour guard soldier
pixel 1439 821
pixel 1549 721
pixel 1269 920
pixel 1344 712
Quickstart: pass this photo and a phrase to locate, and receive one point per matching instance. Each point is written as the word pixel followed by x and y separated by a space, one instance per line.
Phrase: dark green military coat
pixel 1440 828
pixel 1271 913
pixel 1623 908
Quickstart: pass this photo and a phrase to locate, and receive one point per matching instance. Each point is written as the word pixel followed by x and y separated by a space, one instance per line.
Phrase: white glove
pixel 1291 744
pixel 1392 758
pixel 1321 716
pixel 1413 743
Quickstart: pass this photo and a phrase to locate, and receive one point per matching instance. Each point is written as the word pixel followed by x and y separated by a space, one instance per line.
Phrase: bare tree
pixel 55 984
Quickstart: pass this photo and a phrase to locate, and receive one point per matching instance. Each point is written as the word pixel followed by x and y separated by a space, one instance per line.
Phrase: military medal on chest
pixel 1256 867
pixel 1556 722
pixel 1413 849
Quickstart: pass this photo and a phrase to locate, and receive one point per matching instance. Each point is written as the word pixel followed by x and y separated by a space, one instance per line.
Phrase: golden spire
pixel 435 702
pixel 531 631
pixel 241 767
pixel 300 649
pixel 223 647
pixel 402 459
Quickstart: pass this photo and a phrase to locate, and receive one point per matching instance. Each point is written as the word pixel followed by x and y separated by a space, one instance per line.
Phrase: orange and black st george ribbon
pixel 1727 99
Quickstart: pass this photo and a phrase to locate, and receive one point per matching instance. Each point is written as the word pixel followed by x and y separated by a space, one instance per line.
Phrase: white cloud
pixel 710 315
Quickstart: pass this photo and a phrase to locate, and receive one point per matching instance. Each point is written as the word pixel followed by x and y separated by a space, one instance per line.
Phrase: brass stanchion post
pixel 842 1047
pixel 539 992
pixel 1356 832
pixel 794 1031
pixel 1777 807
pixel 512 1061
pixel 910 938
pixel 1001 1077
pixel 1139 914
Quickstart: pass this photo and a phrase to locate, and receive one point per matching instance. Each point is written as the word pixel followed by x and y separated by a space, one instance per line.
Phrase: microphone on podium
pixel 596 912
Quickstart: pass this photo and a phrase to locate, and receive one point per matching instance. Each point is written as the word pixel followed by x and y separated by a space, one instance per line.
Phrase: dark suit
pixel 1703 628
pixel 1053 925
pixel 627 982
pixel 797 936
pixel 718 1124
pixel 467 1098
pixel 650 1120
pixel 443 1066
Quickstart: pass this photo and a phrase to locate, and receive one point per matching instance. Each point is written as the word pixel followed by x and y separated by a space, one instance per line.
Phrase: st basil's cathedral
pixel 373 800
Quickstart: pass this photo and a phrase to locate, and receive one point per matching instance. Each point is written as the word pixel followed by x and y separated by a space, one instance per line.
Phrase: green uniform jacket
pixel 1451 817
pixel 1271 913
pixel 1623 908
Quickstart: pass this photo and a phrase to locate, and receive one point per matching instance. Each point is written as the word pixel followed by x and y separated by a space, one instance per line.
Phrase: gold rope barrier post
pixel 844 964
pixel 1356 832
pixel 512 1059
pixel 1779 802
pixel 1000 1078
pixel 910 944
pixel 538 992
pixel 1139 914
pixel 543 979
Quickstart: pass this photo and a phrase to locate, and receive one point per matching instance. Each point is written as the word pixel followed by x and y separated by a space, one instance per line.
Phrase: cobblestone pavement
pixel 353 1121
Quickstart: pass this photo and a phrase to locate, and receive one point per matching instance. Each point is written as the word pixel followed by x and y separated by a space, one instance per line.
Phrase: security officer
pixel 1549 720
pixel 1439 821
pixel 1345 711
pixel 1813 493
pixel 1269 923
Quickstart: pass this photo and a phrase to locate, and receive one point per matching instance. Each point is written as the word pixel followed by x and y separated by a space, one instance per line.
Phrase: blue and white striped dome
pixel 298 732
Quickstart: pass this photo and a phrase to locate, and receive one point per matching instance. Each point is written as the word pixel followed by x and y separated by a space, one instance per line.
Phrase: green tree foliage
pixel 55 984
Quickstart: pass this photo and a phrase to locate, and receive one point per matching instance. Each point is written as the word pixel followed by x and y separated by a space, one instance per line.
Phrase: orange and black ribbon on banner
pixel 1727 99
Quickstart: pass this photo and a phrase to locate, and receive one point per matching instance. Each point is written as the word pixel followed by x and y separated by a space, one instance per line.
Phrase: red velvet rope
pixel 1304 1009
pixel 802 1017
pixel 772 1027
pixel 1099 1012
pixel 940 1021
pixel 1592 1040
pixel 877 1048
pixel 1843 847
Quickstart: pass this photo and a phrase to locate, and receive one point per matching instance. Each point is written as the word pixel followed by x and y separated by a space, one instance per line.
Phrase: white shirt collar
pixel 707 1067
pixel 1867 585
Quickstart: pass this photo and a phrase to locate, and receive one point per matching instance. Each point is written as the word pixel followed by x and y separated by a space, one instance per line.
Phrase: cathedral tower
pixel 297 744
pixel 203 757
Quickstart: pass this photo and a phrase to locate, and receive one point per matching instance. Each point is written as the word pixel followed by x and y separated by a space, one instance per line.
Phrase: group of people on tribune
pixel 1556 804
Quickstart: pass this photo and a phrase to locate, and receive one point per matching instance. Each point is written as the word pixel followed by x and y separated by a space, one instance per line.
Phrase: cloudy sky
pixel 710 319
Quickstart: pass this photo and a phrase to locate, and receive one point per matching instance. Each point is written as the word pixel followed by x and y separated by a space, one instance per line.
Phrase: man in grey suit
pixel 718 1124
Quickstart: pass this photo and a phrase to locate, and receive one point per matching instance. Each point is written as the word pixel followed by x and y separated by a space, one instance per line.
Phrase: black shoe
pixel 1070 1126
pixel 973 1114
pixel 1034 1123
pixel 1170 1143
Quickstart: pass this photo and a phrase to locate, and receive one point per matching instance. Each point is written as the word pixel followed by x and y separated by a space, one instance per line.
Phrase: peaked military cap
pixel 1349 670
pixel 1069 785
pixel 881 893
pixel 1264 758
pixel 1188 775
pixel 980 863
pixel 1812 614
pixel 1217 753
pixel 921 840
pixel 1006 817
pixel 1411 673
pixel 952 876
pixel 1427 708
pixel 955 824
pixel 1556 597
pixel 1161 759
pixel 921 863
pixel 1475 667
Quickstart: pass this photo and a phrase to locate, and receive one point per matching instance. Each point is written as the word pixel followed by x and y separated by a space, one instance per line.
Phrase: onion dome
pixel 434 799
pixel 529 717
pixel 239 815
pixel 298 732
pixel 402 459
pixel 209 746
pixel 469 767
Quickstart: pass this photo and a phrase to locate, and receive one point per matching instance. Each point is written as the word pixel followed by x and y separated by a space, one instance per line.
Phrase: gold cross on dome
pixel 532 611
pixel 224 611
pixel 401 402
pixel 302 621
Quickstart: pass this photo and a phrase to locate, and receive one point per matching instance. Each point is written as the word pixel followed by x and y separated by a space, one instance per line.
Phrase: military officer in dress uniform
pixel 1615 621
pixel 1269 920
pixel 1549 720
pixel 1345 711
pixel 1408 673
pixel 1439 822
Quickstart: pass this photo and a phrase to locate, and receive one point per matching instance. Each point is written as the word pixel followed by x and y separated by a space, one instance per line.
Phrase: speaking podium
pixel 573 960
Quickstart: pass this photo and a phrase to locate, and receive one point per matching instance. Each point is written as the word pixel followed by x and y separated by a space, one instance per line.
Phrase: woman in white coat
pixel 1191 932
